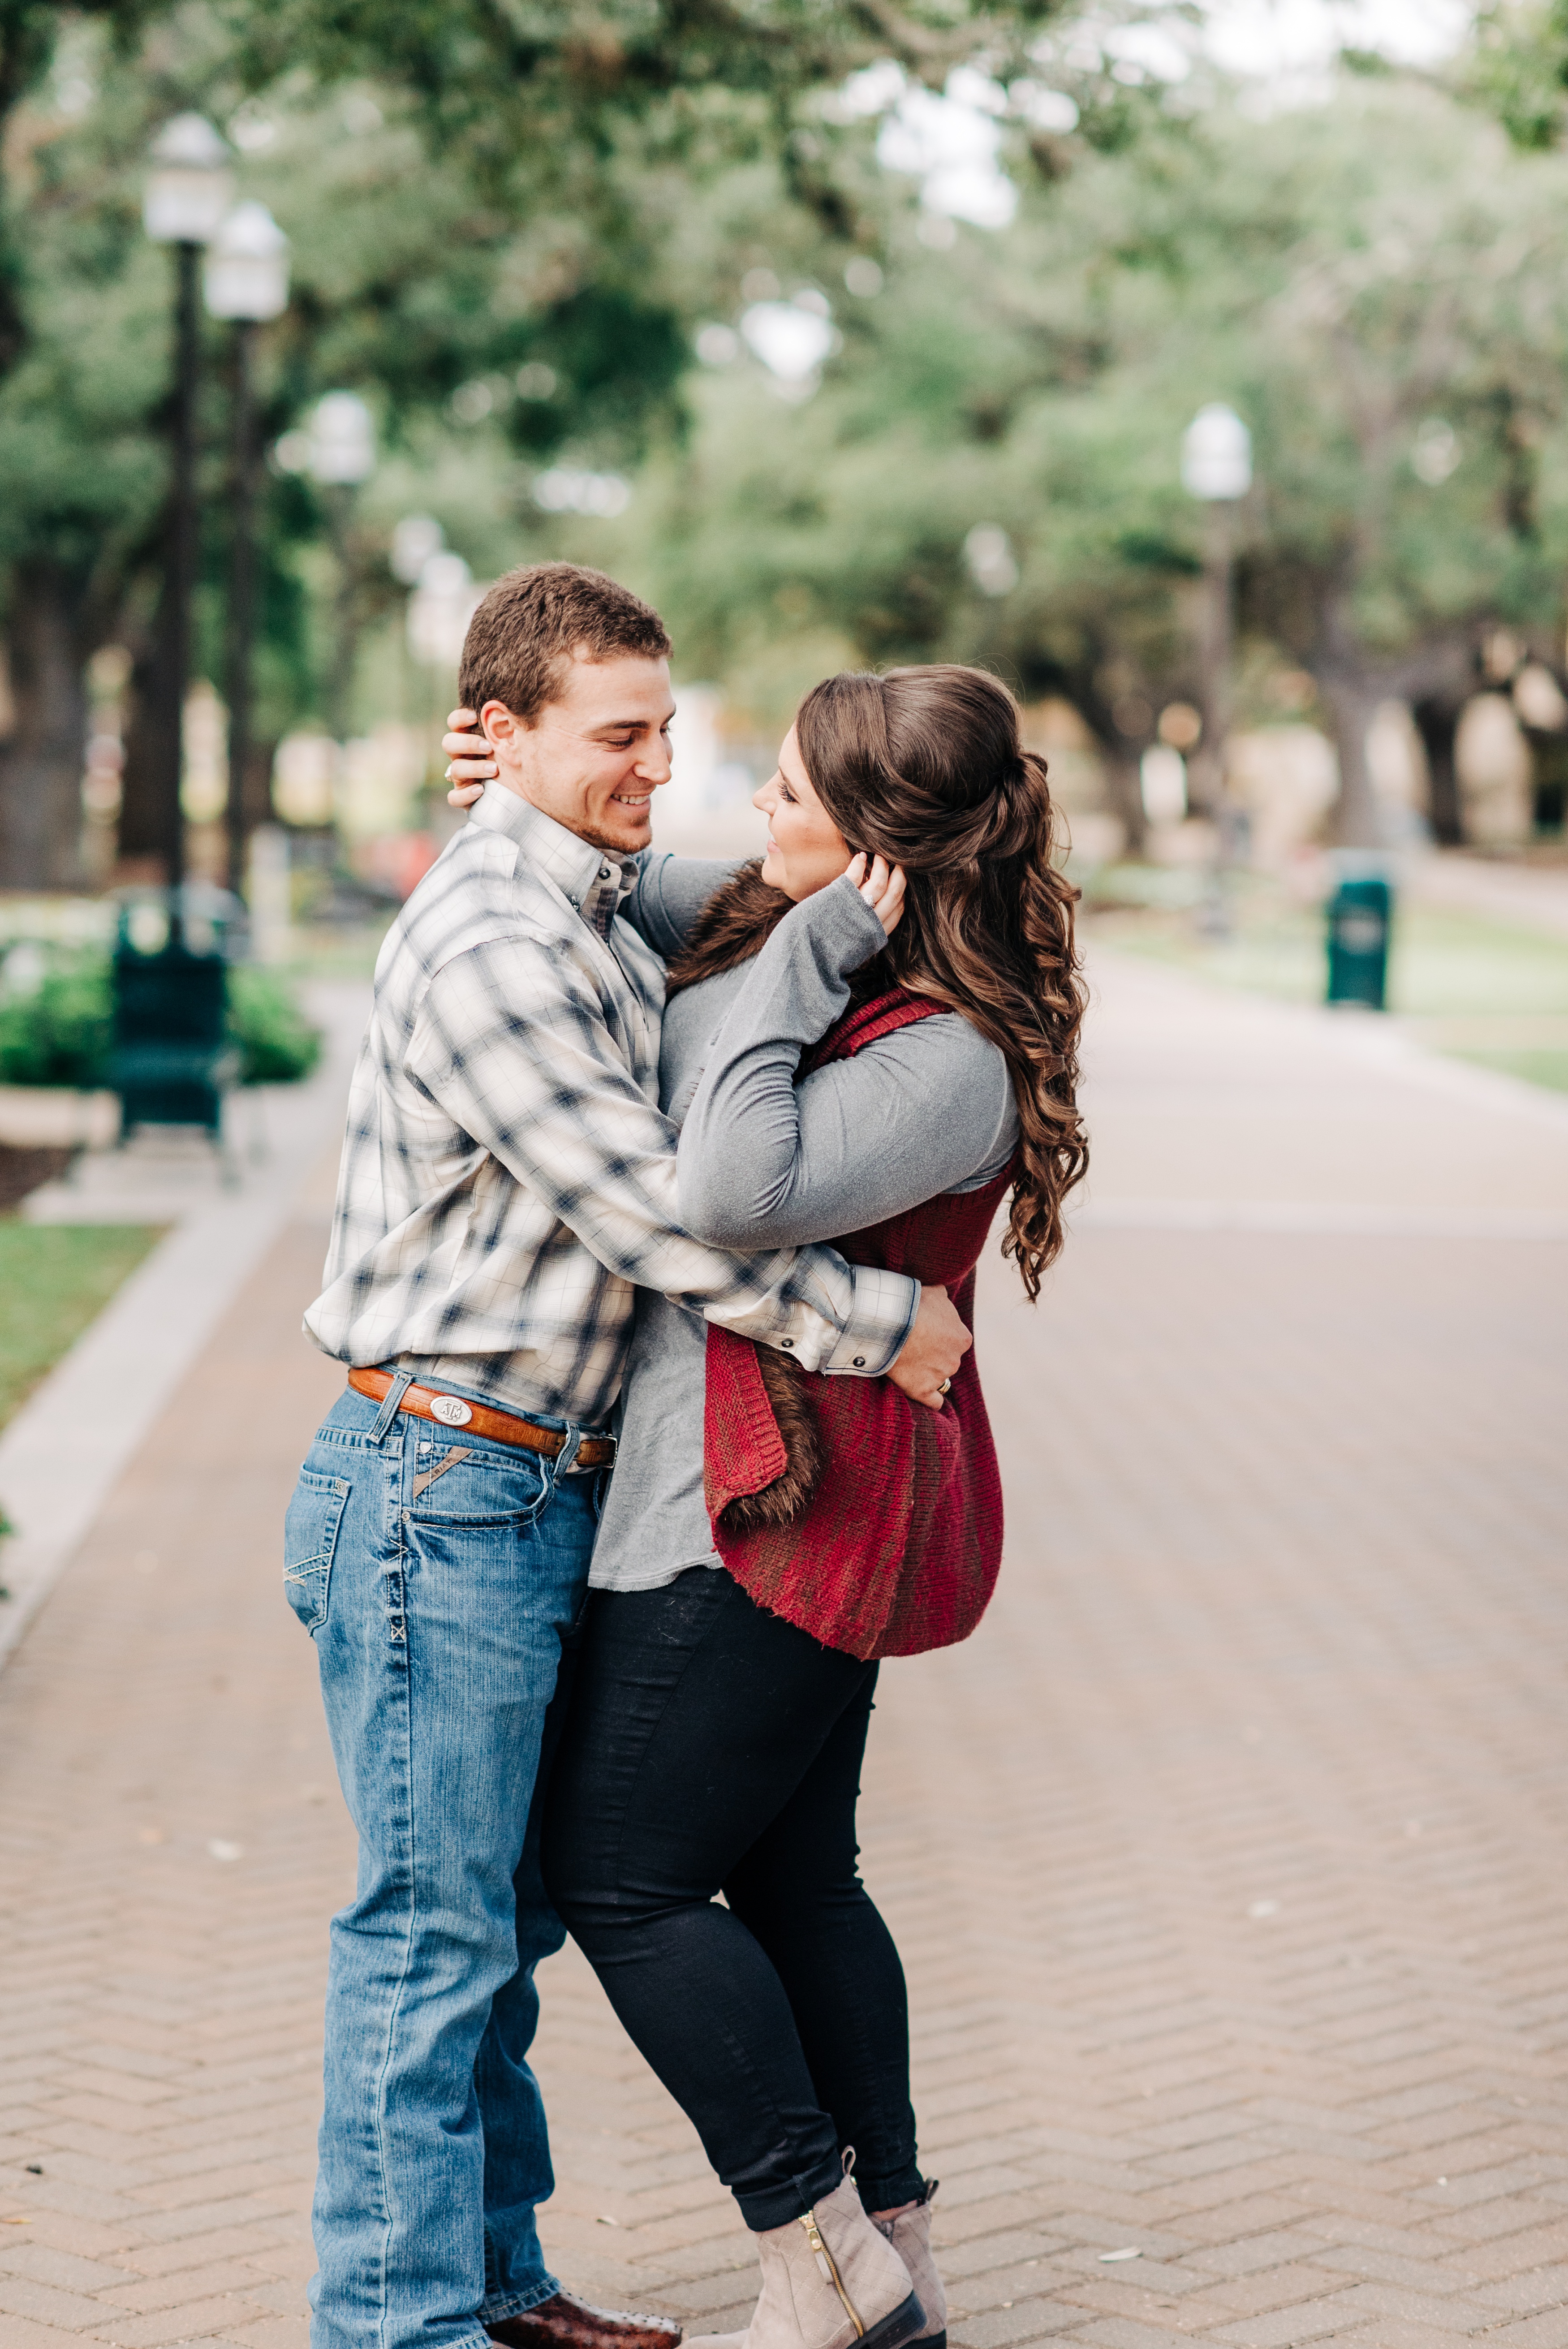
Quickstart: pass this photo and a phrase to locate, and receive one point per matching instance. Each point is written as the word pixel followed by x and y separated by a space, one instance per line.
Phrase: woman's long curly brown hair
pixel 925 767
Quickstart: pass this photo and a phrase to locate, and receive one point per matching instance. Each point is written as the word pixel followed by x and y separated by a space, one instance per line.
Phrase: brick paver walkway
pixel 1227 1860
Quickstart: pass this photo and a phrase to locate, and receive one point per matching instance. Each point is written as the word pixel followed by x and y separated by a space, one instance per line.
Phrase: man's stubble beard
pixel 598 840
pixel 609 847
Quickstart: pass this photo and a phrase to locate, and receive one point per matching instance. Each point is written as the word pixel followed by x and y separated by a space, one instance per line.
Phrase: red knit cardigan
pixel 898 1545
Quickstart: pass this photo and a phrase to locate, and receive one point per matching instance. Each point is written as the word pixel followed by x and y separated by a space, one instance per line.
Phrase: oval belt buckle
pixel 450 1410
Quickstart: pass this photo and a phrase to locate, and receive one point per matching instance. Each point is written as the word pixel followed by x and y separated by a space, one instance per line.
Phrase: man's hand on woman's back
pixel 934 1350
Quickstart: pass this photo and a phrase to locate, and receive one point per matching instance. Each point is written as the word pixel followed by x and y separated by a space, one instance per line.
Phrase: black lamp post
pixel 1217 468
pixel 246 280
pixel 187 195
pixel 343 455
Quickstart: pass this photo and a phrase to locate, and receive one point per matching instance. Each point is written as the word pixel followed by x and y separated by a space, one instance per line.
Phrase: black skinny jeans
pixel 710 1746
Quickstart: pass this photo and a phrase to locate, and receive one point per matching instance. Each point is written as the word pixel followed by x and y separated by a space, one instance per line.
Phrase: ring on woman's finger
pixel 944 1386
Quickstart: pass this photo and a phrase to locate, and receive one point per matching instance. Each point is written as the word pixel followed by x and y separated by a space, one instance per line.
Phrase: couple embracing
pixel 661 1197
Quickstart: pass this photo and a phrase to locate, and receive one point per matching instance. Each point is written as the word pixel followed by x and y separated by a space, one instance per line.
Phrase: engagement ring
pixel 944 1387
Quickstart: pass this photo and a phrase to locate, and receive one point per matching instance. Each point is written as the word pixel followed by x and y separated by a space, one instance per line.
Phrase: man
pixel 507 1177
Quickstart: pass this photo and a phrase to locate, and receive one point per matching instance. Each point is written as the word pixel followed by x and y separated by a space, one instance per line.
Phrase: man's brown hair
pixel 533 620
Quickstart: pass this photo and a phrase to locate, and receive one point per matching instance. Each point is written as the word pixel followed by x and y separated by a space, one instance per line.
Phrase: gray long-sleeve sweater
pixel 766 1162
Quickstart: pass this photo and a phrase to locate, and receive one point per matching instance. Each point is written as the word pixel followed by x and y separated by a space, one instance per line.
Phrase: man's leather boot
pixel 567 2322
pixel 909 2232
pixel 831 2281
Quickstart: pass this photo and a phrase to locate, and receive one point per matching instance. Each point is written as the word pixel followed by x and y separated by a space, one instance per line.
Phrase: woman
pixel 878 1054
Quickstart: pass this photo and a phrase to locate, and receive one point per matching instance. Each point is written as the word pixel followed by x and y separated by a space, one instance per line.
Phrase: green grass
pixel 1479 990
pixel 54 1278
pixel 1548 1067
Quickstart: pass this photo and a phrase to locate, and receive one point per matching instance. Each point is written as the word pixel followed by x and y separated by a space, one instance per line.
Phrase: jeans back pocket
pixel 310 1537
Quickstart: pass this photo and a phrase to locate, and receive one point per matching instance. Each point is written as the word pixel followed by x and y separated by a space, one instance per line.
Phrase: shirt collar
pixel 592 880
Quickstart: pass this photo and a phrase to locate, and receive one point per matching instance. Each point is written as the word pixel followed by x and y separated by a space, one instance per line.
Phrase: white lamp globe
pixel 343 440
pixel 1217 454
pixel 189 189
pixel 439 610
pixel 414 540
pixel 247 271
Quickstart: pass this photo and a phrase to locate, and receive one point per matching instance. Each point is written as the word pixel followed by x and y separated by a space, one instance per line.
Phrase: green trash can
pixel 1360 918
pixel 172 1060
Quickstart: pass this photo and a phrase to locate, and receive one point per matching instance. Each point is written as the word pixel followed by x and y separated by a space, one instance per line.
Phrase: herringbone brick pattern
pixel 1227 1860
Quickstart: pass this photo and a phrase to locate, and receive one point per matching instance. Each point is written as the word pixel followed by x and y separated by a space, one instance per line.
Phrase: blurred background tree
pixel 990 469
pixel 685 267
pixel 474 208
pixel 1518 68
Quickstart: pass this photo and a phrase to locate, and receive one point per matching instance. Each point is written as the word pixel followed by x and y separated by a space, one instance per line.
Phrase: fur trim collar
pixel 735 924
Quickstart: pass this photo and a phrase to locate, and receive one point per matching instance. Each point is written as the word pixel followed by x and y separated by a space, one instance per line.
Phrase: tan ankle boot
pixel 830 2279
pixel 910 2234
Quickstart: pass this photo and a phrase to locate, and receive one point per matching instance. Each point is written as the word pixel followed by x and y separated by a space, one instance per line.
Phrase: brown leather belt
pixel 479 1419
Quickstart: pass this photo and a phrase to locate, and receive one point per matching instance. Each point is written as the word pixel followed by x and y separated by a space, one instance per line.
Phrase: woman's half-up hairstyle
pixel 925 767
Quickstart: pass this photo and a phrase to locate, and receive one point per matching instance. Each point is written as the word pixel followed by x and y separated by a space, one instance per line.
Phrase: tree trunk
pixel 1124 789
pixel 257 797
pixel 1121 755
pixel 1438 724
pixel 42 760
pixel 1548 778
pixel 1351 705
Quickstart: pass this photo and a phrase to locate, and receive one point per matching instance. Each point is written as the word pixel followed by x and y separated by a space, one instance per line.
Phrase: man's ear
pixel 500 724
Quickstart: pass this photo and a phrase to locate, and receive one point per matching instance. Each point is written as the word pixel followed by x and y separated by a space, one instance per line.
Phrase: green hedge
pixel 60 1033
pixel 277 1043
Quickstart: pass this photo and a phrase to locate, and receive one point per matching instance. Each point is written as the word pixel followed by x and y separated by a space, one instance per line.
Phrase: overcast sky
pixel 1285 47
pixel 1288 37
pixel 953 143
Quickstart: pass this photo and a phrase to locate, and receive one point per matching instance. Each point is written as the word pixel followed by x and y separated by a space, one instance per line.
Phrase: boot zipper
pixel 825 2262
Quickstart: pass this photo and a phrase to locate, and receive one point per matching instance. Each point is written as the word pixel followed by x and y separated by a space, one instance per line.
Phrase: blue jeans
pixel 439 1575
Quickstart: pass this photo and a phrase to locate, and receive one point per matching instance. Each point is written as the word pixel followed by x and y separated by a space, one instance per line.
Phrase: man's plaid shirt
pixel 508 1176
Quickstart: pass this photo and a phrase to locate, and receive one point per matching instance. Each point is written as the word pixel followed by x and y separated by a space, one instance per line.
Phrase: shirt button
pixel 788 1341
pixel 603 873
pixel 859 1361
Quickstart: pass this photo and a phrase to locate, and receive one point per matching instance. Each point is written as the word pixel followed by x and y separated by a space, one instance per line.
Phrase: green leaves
pixel 278 1045
pixel 1518 68
pixel 58 1034
pixel 1373 284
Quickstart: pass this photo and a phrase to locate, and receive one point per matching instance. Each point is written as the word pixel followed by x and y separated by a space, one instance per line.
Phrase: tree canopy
pixel 1374 286
pixel 516 235
pixel 478 200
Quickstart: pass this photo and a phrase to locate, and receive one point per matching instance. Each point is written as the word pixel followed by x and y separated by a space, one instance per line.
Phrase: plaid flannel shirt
pixel 508 1176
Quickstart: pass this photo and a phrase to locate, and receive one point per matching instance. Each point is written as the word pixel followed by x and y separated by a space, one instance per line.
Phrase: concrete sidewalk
pixel 1226 1859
